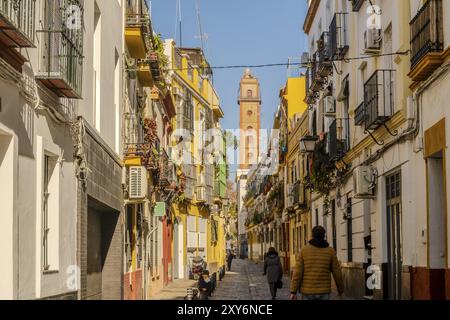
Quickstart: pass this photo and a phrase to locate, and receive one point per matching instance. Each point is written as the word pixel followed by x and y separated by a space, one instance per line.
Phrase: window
pixel 185 112
pixel 349 231
pixel 50 211
pixel 45 226
pixel 249 113
pixel 333 222
pixel 249 93
pixel 317 216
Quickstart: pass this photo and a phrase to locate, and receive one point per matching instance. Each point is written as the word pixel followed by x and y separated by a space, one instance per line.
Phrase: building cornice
pixel 312 10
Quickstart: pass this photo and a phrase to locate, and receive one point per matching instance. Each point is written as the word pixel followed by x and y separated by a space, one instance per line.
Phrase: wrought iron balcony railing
pixel 61 58
pixel 325 67
pixel 427 33
pixel 360 115
pixel 167 174
pixel 299 194
pixel 339 36
pixel 357 4
pixel 379 98
pixel 336 146
pixel 17 22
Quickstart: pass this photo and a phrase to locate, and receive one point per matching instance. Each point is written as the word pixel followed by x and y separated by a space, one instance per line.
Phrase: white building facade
pixel 45 84
pixel 367 112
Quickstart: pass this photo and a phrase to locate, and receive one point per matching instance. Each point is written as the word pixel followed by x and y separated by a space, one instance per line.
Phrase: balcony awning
pixel 345 90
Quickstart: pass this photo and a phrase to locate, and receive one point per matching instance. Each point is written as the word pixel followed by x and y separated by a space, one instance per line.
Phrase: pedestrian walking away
pixel 230 258
pixel 274 271
pixel 313 269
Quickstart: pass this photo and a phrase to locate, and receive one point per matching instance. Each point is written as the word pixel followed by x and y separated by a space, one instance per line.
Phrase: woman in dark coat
pixel 273 270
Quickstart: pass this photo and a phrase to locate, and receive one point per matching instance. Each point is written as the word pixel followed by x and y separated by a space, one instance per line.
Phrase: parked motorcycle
pixel 197 267
pixel 192 294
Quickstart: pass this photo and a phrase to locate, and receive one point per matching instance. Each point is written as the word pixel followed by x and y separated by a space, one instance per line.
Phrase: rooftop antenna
pixel 178 24
pixel 203 36
pixel 294 65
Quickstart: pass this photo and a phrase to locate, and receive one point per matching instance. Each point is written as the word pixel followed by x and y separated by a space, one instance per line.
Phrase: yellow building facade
pixel 199 226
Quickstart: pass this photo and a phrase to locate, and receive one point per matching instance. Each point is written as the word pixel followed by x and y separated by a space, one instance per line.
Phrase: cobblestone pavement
pixel 246 282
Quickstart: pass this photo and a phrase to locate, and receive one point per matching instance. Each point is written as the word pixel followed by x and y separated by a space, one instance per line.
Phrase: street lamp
pixel 307 144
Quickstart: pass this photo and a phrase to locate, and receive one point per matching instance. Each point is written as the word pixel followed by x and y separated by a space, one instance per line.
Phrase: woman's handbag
pixel 279 284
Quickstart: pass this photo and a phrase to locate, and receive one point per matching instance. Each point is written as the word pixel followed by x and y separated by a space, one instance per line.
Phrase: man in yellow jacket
pixel 312 274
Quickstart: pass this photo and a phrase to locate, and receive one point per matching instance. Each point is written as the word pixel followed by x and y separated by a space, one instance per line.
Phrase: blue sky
pixel 241 32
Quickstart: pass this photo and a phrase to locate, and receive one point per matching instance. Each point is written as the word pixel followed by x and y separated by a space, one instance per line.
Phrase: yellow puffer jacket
pixel 313 269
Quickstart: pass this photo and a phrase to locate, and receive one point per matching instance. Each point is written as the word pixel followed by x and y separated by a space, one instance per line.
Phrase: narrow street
pixel 245 281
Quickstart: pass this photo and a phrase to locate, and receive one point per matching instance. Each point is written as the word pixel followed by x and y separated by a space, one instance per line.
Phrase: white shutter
pixel 192 239
pixel 202 225
pixel 192 225
pixel 202 240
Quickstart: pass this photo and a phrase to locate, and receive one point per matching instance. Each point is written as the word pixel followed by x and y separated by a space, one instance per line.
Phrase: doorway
pixel 394 235
pixel 103 252
pixel 437 235
pixel 178 250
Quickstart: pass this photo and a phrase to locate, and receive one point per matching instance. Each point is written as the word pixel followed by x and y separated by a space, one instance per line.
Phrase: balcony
pixel 317 80
pixel 336 147
pixel 357 4
pixel 137 29
pixel 427 40
pixel 299 194
pixel 360 115
pixel 167 174
pixel 17 23
pixel 144 73
pixel 61 54
pixel 339 36
pixel 379 98
pixel 325 66
pixel 310 95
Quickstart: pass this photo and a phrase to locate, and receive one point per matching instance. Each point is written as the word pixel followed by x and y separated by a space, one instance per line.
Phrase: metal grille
pixel 20 14
pixel 427 31
pixel 379 98
pixel 62 46
pixel 360 115
pixel 339 36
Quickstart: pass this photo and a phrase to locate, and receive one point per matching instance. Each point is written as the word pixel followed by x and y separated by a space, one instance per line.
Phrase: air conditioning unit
pixel 329 105
pixel 201 194
pixel 363 182
pixel 372 40
pixel 137 186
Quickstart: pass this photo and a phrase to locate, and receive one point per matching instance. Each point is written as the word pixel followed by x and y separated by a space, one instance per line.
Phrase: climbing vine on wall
pixel 323 176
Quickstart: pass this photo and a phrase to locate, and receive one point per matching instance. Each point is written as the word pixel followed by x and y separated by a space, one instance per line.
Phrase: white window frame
pixel 45 149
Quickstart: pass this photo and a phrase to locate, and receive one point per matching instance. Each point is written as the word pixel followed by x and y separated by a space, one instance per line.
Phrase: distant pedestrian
pixel 204 285
pixel 230 258
pixel 312 274
pixel 273 270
